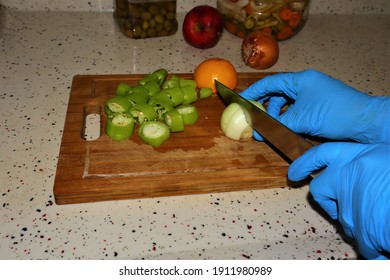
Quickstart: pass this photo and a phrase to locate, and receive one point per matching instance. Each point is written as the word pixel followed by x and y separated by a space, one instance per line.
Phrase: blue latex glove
pixel 353 188
pixel 323 107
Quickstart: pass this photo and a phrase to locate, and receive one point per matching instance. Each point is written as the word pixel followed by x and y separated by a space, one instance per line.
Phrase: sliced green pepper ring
pixel 160 97
pixel 137 98
pixel 190 94
pixel 161 74
pixel 205 92
pixel 161 107
pixel 143 112
pixel 147 78
pixel 188 83
pixel 171 83
pixel 189 113
pixel 141 91
pixel 152 87
pixel 118 104
pixel 154 133
pixel 120 126
pixel 122 89
pixel 176 95
pixel 107 110
pixel 174 121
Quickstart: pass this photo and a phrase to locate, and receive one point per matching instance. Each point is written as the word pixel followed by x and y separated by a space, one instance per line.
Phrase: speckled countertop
pixel 40 53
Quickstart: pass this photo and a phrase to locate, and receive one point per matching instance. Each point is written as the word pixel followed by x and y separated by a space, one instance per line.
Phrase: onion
pixel 234 124
pixel 260 50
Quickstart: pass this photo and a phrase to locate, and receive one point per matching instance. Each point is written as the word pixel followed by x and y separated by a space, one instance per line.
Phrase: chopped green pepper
pixel 143 112
pixel 140 90
pixel 154 133
pixel 205 92
pixel 176 95
pixel 120 126
pixel 137 98
pixel 186 83
pixel 152 87
pixel 161 75
pixel 158 76
pixel 160 97
pixel 174 121
pixel 147 78
pixel 190 94
pixel 161 107
pixel 189 113
pixel 173 82
pixel 122 89
pixel 117 104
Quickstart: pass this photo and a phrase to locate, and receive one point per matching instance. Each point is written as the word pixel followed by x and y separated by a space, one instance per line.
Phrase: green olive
pixel 144 19
pixel 159 18
pixel 153 9
pixel 145 25
pixel 167 25
pixel 146 15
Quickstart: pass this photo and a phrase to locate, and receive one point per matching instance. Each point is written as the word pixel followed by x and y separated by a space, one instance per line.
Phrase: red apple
pixel 202 27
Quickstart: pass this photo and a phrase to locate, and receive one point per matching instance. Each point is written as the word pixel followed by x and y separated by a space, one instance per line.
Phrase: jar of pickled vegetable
pixel 140 19
pixel 282 18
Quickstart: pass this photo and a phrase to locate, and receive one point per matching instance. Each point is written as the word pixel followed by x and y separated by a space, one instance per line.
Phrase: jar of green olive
pixel 140 19
pixel 281 18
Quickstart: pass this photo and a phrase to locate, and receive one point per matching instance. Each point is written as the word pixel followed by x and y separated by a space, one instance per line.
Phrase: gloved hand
pixel 353 188
pixel 323 107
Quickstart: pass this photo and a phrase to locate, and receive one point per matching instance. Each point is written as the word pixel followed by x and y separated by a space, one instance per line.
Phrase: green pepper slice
pixel 173 82
pixel 143 112
pixel 161 107
pixel 152 87
pixel 154 133
pixel 189 113
pixel 158 76
pixel 120 126
pixel 122 89
pixel 117 104
pixel 205 92
pixel 174 121
pixel 136 98
pixel 161 75
pixel 160 97
pixel 188 83
pixel 176 95
pixel 141 91
pixel 147 78
pixel 190 94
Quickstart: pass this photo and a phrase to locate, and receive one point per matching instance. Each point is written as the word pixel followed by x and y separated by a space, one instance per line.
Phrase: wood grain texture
pixel 198 160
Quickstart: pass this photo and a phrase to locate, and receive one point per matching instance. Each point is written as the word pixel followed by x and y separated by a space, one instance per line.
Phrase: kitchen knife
pixel 289 143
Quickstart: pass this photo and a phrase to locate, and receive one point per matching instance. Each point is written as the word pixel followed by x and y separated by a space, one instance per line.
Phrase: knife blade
pixel 289 143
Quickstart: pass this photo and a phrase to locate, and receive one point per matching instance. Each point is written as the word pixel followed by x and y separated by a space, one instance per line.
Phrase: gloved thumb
pixel 314 159
pixel 322 187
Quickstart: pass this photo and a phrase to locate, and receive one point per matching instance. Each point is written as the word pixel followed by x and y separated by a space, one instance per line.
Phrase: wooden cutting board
pixel 199 160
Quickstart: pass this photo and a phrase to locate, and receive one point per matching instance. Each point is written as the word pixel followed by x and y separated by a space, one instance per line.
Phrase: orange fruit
pixel 215 69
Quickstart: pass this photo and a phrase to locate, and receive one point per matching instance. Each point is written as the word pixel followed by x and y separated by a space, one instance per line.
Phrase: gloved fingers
pixel 368 252
pixel 275 104
pixel 323 192
pixel 293 120
pixel 322 186
pixel 325 186
pixel 314 159
pixel 286 83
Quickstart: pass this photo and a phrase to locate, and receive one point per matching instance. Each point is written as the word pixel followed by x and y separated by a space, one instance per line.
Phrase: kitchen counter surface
pixel 42 51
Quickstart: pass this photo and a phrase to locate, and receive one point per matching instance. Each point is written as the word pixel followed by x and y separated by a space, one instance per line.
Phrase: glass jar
pixel 282 18
pixel 140 19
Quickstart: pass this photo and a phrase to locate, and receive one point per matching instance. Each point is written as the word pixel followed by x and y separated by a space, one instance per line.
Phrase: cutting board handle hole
pixel 92 123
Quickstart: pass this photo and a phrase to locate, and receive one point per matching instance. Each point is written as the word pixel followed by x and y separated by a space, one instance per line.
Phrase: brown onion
pixel 260 50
